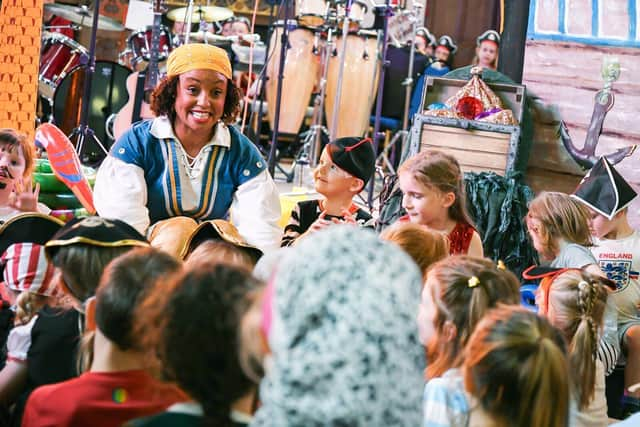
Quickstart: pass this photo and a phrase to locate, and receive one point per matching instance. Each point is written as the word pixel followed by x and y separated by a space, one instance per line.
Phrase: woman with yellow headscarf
pixel 190 161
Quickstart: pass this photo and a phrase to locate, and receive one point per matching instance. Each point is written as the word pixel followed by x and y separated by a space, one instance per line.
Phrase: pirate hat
pixel 448 42
pixel 489 35
pixel 219 229
pixel 29 227
pixel 95 231
pixel 426 34
pixel 354 155
pixel 604 190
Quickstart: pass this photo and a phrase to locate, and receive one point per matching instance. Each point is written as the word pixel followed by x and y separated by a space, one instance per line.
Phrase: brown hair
pixel 516 357
pixel 164 95
pixel 14 139
pixel 463 302
pixel 578 300
pixel 212 252
pixel 424 246
pixel 191 327
pixel 560 217
pixel 438 170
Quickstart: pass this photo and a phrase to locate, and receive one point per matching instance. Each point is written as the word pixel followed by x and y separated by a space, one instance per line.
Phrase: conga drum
pixel 300 71
pixel 359 84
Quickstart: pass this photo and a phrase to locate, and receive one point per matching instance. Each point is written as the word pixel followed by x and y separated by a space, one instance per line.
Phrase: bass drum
pixel 108 95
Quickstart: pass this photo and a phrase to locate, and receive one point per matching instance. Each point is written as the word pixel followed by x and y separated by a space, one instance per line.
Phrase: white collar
pixel 189 408
pixel 161 128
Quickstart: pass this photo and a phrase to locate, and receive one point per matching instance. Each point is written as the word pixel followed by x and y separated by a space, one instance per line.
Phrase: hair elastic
pixel 473 281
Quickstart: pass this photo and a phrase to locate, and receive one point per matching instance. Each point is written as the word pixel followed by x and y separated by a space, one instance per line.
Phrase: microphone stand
pixel 341 56
pixel 83 131
pixel 386 9
pixel 284 42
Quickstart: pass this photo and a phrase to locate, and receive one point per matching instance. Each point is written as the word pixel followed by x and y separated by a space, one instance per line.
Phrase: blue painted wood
pixel 595 39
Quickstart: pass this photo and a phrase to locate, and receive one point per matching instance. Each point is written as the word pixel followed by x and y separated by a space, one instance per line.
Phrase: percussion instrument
pixel 359 83
pixel 201 13
pixel 356 17
pixel 311 13
pixel 108 95
pixel 301 68
pixel 60 54
pixel 83 16
pixel 139 44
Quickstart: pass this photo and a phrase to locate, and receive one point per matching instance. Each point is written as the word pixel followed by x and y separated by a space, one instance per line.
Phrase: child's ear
pixel 448 199
pixel 449 331
pixel 357 185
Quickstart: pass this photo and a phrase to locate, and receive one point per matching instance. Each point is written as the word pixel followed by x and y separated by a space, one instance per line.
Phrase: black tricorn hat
pixel 448 42
pixel 354 155
pixel 95 231
pixel 31 227
pixel 489 35
pixel 427 35
pixel 604 190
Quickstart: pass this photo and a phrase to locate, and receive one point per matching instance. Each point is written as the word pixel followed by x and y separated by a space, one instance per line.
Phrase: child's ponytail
pixel 579 300
pixel 514 362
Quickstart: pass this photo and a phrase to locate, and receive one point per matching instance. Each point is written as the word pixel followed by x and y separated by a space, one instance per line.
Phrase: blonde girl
pixel 574 302
pixel 559 229
pixel 458 292
pixel 434 196
pixel 515 369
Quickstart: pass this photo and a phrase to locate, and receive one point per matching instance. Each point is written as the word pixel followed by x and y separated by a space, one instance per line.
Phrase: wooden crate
pixel 478 146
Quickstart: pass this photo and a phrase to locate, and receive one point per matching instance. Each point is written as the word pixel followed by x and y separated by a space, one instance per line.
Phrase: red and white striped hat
pixel 26 269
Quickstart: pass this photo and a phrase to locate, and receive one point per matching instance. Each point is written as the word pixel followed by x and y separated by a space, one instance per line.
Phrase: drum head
pixel 108 95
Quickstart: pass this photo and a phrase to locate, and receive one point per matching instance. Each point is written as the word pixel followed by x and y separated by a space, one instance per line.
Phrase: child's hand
pixel 26 196
pixel 348 218
pixel 319 223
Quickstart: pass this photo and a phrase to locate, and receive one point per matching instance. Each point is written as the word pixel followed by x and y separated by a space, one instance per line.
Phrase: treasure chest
pixel 464 126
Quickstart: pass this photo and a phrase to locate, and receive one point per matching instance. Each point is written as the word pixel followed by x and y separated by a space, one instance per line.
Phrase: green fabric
pixel 498 206
pixel 526 127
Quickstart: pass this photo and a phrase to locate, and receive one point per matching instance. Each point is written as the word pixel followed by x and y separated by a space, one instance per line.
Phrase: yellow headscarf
pixel 198 56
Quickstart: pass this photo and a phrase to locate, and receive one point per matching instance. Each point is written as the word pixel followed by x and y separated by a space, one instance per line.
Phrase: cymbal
pixel 83 16
pixel 208 14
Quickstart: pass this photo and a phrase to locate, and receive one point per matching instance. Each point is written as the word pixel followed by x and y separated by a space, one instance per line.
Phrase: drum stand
pixel 402 134
pixel 386 12
pixel 83 131
pixel 284 43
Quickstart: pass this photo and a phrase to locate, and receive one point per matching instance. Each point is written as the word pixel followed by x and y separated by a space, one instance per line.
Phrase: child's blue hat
pixel 604 190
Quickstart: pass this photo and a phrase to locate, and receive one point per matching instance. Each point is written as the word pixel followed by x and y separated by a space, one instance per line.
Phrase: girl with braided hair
pixel 574 301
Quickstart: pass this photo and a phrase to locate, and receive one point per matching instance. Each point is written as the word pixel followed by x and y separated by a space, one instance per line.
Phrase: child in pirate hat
pixel 345 167
pixel 617 249
pixel 487 48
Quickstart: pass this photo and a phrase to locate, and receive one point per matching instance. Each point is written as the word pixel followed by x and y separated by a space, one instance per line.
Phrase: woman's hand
pixel 26 196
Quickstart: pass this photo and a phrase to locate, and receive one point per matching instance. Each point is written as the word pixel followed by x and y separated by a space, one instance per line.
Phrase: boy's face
pixel 442 53
pixel 600 226
pixel 12 165
pixel 330 180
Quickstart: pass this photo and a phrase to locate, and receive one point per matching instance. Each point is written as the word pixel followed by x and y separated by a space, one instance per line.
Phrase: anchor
pixel 604 100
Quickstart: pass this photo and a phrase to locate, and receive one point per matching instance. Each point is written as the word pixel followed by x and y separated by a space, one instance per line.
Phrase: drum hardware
pixel 341 56
pixel 402 134
pixel 83 16
pixel 83 131
pixel 284 43
pixel 385 12
pixel 201 13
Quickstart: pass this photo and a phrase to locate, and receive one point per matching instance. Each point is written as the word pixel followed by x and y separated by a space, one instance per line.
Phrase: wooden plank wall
pixel 565 76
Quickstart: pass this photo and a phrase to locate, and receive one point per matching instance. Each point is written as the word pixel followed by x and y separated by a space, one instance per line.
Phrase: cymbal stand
pixel 386 12
pixel 402 135
pixel 341 61
pixel 83 131
pixel 189 18
pixel 284 45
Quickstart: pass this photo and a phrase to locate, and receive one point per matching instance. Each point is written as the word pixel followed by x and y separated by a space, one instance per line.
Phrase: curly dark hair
pixel 164 95
pixel 193 327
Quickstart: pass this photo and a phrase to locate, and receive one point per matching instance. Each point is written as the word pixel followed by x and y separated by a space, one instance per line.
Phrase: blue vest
pixel 225 170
